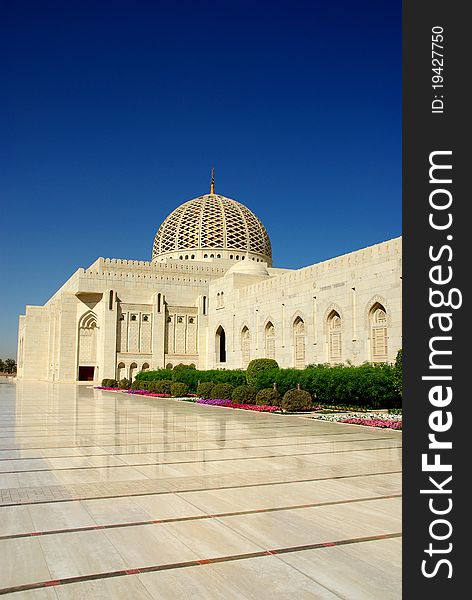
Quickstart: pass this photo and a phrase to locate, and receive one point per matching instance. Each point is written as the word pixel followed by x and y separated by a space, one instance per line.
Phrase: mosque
pixel 210 297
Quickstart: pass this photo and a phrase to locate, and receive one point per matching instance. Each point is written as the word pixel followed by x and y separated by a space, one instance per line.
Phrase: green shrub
pixel 125 384
pixel 162 387
pixel 244 394
pixel 192 377
pixel 137 384
pixel 268 396
pixel 204 389
pixel 222 391
pixel 257 366
pixel 109 383
pixel 398 372
pixel 178 390
pixel 153 375
pixel 285 379
pixel 296 399
pixel 178 369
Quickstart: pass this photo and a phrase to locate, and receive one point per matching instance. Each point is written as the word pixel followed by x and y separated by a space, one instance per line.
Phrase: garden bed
pixel 382 420
pixel 322 412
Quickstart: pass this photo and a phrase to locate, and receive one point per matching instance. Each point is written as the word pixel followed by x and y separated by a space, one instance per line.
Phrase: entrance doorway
pixel 86 373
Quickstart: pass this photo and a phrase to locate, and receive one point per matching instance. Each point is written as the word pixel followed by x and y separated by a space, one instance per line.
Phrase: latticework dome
pixel 212 226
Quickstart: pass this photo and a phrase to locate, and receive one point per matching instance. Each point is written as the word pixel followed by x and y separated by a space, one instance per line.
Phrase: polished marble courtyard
pixel 105 495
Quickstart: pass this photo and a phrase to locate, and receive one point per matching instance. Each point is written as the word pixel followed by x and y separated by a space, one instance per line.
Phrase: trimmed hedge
pixel 244 394
pixel 370 385
pixel 222 391
pixel 258 366
pixel 204 389
pixel 295 400
pixel 269 397
pixel 178 389
pixel 109 383
pixel 191 376
pixel 154 375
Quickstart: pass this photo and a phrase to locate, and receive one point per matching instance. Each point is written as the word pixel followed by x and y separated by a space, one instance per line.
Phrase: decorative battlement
pixel 102 265
pixel 385 250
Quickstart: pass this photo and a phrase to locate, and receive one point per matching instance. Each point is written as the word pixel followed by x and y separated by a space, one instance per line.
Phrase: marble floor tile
pixel 22 562
pixel 52 516
pixel 80 553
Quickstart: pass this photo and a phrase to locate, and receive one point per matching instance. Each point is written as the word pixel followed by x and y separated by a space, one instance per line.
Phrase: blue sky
pixel 113 113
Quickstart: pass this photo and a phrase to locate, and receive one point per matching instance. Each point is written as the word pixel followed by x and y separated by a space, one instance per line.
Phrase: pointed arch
pixel 220 344
pixel 120 371
pixel 133 369
pixel 378 328
pixel 269 339
pixel 299 335
pixel 87 340
pixel 334 325
pixel 377 299
pixel 246 345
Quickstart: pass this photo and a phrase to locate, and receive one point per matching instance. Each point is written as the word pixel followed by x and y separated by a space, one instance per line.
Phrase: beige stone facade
pixel 211 298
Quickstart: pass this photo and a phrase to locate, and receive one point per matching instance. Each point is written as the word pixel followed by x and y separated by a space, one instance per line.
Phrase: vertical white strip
pixel 283 325
pixel 354 315
pixel 315 321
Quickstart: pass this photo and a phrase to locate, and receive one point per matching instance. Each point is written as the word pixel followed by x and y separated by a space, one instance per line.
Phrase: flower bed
pixel 383 420
pixel 230 404
pixel 384 423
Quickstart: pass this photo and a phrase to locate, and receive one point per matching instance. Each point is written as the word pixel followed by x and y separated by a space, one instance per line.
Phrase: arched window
pixel 378 333
pixel 299 342
pixel 121 371
pixel 270 340
pixel 246 345
pixel 220 345
pixel 133 370
pixel 87 351
pixel 334 337
pixel 145 367
pixel 169 366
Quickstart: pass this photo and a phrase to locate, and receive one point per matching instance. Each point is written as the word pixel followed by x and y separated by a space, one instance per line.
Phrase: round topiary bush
pixel 257 366
pixel 204 389
pixel 179 390
pixel 244 394
pixel 125 384
pixel 268 397
pixel 295 400
pixel 162 387
pixel 222 391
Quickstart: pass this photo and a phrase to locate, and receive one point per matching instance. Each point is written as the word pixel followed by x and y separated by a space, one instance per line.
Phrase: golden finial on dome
pixel 212 182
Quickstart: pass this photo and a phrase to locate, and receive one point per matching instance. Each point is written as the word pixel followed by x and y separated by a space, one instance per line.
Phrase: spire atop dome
pixel 212 182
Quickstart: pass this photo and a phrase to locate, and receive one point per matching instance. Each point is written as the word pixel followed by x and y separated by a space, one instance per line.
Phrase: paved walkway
pixel 103 495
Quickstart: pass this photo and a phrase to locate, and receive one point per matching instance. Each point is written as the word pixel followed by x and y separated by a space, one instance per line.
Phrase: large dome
pixel 212 227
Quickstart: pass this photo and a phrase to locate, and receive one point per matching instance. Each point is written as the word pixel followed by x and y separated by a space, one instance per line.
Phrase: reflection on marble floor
pixel 103 495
